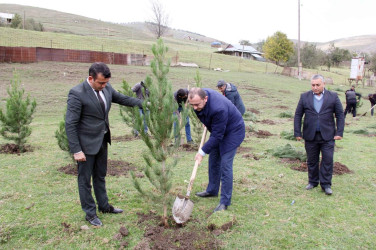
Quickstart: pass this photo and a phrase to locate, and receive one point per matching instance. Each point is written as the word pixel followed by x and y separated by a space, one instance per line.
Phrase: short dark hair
pixel 182 92
pixel 99 68
pixel 197 91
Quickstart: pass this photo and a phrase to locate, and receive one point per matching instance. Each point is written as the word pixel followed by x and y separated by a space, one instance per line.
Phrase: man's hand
pixel 198 158
pixel 80 156
pixel 298 138
pixel 337 137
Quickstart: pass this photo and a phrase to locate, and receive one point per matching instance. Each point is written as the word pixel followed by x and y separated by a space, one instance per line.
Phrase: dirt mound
pixel 263 134
pixel 114 168
pixel 253 110
pixel 267 121
pixel 175 237
pixel 10 148
pixel 189 147
pixel 338 168
pixel 125 138
pixel 243 150
pixel 281 107
pixel 249 156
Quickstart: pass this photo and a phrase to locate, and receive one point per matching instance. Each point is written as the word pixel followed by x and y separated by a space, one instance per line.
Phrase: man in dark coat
pixel 351 99
pixel 227 132
pixel 372 100
pixel 181 97
pixel 230 91
pixel 88 133
pixel 140 89
pixel 320 130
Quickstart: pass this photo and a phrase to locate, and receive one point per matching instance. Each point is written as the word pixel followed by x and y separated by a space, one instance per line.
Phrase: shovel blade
pixel 182 209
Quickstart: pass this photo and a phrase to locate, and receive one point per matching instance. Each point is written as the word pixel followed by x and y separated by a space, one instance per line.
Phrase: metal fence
pixel 37 54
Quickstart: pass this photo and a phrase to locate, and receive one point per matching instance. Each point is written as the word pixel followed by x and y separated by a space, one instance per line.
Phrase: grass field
pixel 40 207
pixel 35 198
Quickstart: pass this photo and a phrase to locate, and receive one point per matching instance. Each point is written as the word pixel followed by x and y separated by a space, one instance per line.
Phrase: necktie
pixel 101 102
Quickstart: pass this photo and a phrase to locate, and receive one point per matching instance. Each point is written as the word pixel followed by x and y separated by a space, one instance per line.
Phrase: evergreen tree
pixel 62 139
pixel 159 106
pixel 129 113
pixel 15 121
pixel 197 127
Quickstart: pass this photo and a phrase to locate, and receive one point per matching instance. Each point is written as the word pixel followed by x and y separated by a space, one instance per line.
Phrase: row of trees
pixel 281 50
pixel 28 24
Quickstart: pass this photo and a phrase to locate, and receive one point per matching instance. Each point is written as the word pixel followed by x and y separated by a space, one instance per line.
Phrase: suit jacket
pixel 85 123
pixel 224 121
pixel 331 109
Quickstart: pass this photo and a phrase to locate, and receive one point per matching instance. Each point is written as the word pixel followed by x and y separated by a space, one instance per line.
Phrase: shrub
pixel 15 121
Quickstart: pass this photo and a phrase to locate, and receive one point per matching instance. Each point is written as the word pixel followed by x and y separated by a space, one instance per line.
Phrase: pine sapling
pixel 16 119
pixel 158 116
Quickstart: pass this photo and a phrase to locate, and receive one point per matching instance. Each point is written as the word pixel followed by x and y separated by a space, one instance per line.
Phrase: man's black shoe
pixel 94 220
pixel 328 191
pixel 220 207
pixel 112 210
pixel 309 186
pixel 205 194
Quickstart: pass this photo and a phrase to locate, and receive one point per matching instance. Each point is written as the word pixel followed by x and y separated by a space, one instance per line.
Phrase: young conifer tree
pixel 159 108
pixel 128 113
pixel 16 119
pixel 196 124
pixel 62 139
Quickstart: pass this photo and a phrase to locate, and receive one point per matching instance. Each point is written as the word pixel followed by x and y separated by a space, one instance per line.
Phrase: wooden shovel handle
pixel 193 176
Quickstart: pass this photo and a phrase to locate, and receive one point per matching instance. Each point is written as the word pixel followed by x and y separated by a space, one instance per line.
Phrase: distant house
pixel 244 51
pixel 6 18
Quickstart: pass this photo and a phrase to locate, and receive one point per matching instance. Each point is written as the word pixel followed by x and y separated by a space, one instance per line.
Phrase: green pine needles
pixel 159 115
pixel 16 119
pixel 62 139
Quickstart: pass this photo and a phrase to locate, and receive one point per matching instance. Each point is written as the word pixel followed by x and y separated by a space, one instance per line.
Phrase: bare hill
pixel 56 21
pixel 366 43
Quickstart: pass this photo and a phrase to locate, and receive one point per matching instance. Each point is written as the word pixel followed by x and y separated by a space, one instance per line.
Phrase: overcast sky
pixel 234 20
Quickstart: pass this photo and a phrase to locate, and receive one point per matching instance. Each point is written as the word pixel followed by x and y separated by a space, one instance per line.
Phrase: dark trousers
pixel 350 107
pixel 322 174
pixel 220 172
pixel 95 167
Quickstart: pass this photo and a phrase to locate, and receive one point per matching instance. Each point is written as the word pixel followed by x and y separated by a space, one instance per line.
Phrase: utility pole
pixel 299 63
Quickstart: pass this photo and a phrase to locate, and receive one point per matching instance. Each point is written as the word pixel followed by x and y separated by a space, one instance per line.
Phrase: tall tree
pixel 245 42
pixel 15 121
pixel 160 19
pixel 278 48
pixel 159 106
pixel 16 22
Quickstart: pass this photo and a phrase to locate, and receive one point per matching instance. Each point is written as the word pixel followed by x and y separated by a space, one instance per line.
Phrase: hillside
pixel 366 43
pixel 55 21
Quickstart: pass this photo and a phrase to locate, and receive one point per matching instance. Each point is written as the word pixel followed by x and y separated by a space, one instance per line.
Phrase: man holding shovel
pixel 227 132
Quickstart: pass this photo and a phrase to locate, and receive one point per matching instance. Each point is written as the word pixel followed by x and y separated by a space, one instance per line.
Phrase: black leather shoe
pixel 205 194
pixel 328 191
pixel 310 186
pixel 94 220
pixel 112 210
pixel 220 207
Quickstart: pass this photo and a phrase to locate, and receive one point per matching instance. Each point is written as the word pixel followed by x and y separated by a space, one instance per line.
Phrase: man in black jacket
pixel 372 99
pixel 88 133
pixel 351 99
pixel 320 130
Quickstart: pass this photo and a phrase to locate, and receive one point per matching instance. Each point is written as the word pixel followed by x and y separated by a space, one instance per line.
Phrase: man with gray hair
pixel 319 107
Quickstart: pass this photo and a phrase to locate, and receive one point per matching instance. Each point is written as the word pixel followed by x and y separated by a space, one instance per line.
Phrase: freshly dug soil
pixel 253 110
pixel 174 237
pixel 338 168
pixel 267 121
pixel 114 168
pixel 11 148
pixel 263 134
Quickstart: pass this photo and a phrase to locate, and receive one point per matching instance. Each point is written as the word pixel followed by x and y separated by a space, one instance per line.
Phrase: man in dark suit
pixel 227 132
pixel 88 133
pixel 320 130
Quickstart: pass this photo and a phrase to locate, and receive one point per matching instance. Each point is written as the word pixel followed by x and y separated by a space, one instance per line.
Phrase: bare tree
pixel 159 21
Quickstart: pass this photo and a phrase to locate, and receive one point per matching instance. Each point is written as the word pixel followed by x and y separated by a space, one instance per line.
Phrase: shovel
pixel 182 208
pixel 369 110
